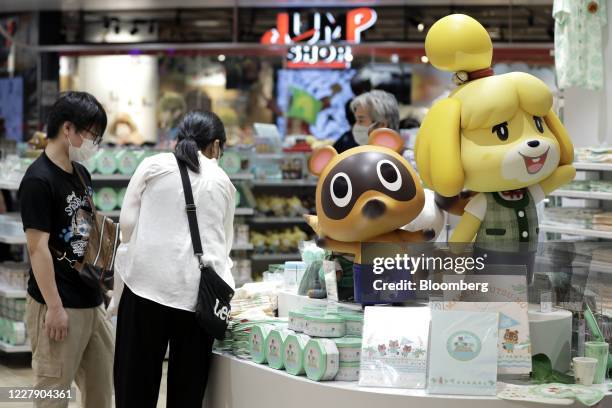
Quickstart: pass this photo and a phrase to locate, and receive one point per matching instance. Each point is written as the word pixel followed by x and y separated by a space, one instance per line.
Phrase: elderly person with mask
pixel 372 110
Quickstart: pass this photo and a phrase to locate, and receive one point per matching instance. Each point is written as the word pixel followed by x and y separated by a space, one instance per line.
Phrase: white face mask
pixel 361 133
pixel 81 154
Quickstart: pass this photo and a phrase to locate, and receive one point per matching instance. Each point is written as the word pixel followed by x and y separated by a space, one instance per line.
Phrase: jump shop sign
pixel 320 40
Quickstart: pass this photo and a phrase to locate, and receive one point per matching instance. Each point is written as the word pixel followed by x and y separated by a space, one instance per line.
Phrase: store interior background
pixel 139 55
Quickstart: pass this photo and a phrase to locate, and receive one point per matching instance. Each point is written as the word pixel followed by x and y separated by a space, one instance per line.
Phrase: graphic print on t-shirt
pixel 77 233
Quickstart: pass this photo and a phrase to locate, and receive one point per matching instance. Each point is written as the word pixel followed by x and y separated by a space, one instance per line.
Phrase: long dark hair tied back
pixel 196 131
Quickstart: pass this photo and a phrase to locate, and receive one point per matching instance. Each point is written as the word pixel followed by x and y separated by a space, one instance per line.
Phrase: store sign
pixel 312 42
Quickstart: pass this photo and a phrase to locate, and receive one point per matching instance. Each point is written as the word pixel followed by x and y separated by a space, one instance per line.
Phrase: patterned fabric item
pixel 508 223
pixel 578 43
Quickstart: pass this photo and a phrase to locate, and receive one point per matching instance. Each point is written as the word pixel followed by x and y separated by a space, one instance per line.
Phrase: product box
pixel 463 353
pixel 394 347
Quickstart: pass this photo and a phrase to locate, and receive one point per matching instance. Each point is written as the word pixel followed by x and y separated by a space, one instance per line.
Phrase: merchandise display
pixel 293 353
pixel 321 359
pixel 274 347
pixel 324 326
pixel 463 353
pixel 349 349
pixel 348 371
pixel 514 344
pixel 395 355
pixel 257 342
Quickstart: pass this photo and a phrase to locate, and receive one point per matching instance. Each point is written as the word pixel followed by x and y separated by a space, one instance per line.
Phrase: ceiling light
pixel 221 57
pixel 421 27
pixel 424 59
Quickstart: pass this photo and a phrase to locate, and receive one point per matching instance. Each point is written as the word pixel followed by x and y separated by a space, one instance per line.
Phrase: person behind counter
pixel 161 273
pixel 371 110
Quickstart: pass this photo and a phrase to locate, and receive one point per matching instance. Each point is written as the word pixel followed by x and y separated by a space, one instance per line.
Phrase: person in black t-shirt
pixel 65 318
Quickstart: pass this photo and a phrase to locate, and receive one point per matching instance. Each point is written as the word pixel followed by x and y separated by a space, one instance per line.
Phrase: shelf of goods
pixel 242 247
pixel 9 348
pixel 8 185
pixel 11 293
pixel 588 195
pixel 285 183
pixel 585 232
pixel 587 166
pixel 13 239
pixel 276 257
pixel 277 220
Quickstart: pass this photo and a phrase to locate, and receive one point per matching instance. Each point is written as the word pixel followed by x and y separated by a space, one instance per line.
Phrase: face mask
pixel 361 133
pixel 81 154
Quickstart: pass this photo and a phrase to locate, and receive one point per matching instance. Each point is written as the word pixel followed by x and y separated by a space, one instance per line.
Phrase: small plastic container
pixel 330 326
pixel 297 321
pixel 349 349
pixel 348 372
pixel 321 359
pixel 294 271
pixel 257 342
pixel 293 353
pixel 105 162
pixel 354 324
pixel 106 199
pixel 127 161
pixel 274 347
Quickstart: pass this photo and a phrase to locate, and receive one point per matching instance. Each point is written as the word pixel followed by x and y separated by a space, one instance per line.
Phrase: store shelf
pixel 9 348
pixel 588 195
pixel 112 214
pixel 8 185
pixel 276 257
pixel 277 220
pixel 242 247
pixel 285 183
pixel 244 211
pixel 585 232
pixel 111 177
pixel 13 239
pixel 8 292
pixel 593 166
pixel 280 155
pixel 241 176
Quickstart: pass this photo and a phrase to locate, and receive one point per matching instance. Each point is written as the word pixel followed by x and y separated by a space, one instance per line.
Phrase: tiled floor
pixel 16 372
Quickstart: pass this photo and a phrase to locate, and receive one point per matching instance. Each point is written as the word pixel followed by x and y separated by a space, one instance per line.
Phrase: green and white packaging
pixel 257 342
pixel 348 372
pixel 297 321
pixel 354 324
pixel 324 326
pixel 349 349
pixel 127 161
pixel 274 347
pixel 105 162
pixel 321 359
pixel 106 199
pixel 293 353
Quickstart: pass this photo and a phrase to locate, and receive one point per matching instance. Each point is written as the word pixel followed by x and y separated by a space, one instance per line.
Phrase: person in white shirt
pixel 161 272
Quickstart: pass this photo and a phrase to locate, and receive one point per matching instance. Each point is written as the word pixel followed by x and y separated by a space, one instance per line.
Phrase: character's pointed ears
pixel 386 138
pixel 320 159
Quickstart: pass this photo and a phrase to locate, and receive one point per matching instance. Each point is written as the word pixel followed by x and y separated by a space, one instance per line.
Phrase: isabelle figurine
pixel 495 135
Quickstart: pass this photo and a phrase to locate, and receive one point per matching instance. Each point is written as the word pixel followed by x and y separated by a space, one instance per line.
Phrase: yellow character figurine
pixel 496 135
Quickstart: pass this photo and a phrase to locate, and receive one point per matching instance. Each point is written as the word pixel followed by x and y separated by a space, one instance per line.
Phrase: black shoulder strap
pixel 191 209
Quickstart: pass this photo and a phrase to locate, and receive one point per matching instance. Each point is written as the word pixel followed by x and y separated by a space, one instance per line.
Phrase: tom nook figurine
pixel 365 194
pixel 495 135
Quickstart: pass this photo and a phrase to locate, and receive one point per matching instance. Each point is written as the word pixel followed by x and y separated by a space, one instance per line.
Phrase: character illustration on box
pixel 291 355
pixel 496 135
pixel 394 347
pixel 313 360
pixel 511 339
pixel 366 194
pixel 256 343
pixel 273 348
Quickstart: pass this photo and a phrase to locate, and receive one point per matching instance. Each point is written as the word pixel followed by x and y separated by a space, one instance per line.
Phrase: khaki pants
pixel 84 356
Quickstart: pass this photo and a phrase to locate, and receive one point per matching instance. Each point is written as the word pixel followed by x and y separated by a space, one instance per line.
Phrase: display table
pixel 236 383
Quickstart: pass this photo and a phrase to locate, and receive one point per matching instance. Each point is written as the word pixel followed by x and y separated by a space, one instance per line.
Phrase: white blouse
pixel 160 264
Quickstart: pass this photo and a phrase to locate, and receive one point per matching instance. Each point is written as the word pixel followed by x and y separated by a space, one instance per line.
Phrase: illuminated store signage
pixel 312 43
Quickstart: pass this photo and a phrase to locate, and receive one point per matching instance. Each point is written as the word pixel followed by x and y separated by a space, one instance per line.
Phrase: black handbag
pixel 213 307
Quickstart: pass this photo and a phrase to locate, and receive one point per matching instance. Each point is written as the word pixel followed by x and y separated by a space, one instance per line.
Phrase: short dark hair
pixel 196 131
pixel 79 108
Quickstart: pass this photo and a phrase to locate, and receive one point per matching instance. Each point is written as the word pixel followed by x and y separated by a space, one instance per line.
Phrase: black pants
pixel 144 329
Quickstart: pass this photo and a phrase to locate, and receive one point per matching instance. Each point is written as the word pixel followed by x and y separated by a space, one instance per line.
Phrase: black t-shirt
pixel 56 202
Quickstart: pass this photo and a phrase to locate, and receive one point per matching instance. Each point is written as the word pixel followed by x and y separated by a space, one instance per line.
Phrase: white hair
pixel 380 105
